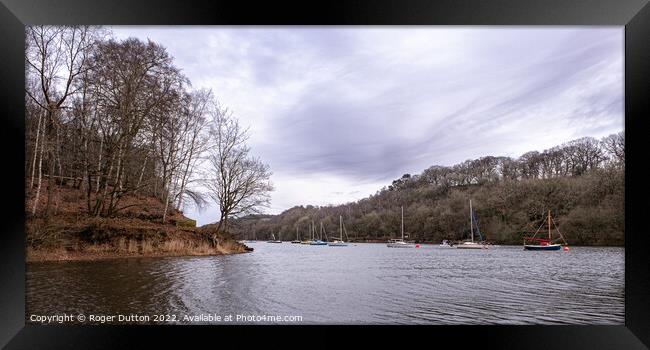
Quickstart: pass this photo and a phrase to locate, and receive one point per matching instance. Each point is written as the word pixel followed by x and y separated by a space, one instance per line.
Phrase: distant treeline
pixel 581 182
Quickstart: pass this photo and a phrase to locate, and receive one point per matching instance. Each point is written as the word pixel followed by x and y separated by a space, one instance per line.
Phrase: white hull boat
pixel 274 240
pixel 339 242
pixel 399 243
pixel 445 244
pixel 471 244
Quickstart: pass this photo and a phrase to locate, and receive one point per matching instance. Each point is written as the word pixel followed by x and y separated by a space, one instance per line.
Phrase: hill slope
pixel 137 230
pixel 581 182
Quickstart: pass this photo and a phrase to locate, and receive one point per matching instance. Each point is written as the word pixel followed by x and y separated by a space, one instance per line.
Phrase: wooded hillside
pixel 581 182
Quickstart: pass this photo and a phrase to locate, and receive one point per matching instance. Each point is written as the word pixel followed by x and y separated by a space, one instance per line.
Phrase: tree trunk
pixel 40 177
pixel 51 161
pixel 222 223
pixel 50 185
pixel 84 175
pixel 88 194
pixel 179 205
pixel 58 156
pixel 144 165
pixel 166 202
pixel 166 208
pixel 38 132
pixel 225 224
pixel 99 164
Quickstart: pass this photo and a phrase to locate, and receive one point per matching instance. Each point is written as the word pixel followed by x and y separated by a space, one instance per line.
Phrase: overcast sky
pixel 339 112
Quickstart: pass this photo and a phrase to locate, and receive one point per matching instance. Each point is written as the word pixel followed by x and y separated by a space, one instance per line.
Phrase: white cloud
pixel 338 112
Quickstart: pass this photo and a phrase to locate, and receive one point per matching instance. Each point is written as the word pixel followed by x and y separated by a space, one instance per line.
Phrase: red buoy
pixel 417 246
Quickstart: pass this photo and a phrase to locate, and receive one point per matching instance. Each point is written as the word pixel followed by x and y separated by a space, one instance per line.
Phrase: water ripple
pixel 360 284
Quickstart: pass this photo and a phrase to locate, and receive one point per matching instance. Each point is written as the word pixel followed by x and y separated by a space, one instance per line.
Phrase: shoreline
pixel 97 252
pixel 62 255
pixel 69 238
pixel 438 243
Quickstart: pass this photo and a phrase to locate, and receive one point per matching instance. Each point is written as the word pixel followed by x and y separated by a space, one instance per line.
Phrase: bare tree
pixel 195 143
pixel 137 91
pixel 585 154
pixel 615 146
pixel 56 57
pixel 238 182
pixel 530 164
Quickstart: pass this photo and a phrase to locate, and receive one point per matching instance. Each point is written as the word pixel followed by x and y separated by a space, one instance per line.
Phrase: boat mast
pixel 549 225
pixel 402 229
pixel 471 220
pixel 341 226
pixel 297 238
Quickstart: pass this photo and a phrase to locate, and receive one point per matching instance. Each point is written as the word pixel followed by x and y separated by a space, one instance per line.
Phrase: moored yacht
pixel 338 241
pixel 274 240
pixel 471 244
pixel 399 243
pixel 297 240
pixel 534 243
pixel 314 240
pixel 445 244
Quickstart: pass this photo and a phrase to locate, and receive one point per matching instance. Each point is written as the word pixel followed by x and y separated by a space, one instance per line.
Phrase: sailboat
pixel 274 240
pixel 533 243
pixel 339 242
pixel 399 243
pixel 471 244
pixel 297 240
pixel 446 244
pixel 318 241
pixel 311 232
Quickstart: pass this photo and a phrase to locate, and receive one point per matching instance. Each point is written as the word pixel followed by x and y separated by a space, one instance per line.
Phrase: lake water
pixel 357 284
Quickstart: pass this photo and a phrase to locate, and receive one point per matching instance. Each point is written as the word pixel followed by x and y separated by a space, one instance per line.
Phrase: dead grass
pixel 174 245
pixel 98 248
pixel 52 254
pixel 190 247
pixel 138 230
pixel 147 247
pixel 126 247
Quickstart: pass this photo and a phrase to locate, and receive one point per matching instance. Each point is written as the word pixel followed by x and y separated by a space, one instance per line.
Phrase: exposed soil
pixel 135 231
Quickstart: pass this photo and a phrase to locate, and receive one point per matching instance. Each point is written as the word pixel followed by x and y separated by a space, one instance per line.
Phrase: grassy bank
pixel 130 248
pixel 70 234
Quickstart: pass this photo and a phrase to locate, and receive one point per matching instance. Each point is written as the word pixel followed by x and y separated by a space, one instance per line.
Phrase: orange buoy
pixel 566 248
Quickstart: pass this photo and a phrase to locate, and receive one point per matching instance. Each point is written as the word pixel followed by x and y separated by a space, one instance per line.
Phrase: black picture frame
pixel 634 15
